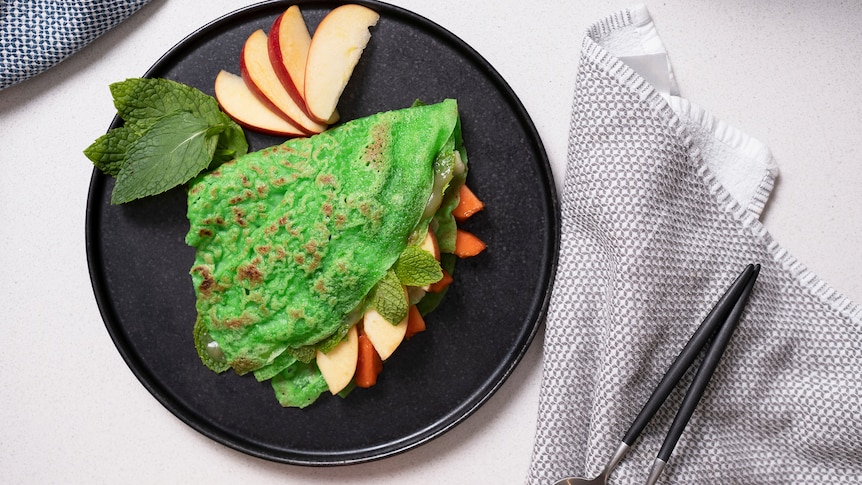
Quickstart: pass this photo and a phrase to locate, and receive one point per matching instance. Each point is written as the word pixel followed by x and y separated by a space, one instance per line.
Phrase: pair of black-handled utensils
pixel 718 326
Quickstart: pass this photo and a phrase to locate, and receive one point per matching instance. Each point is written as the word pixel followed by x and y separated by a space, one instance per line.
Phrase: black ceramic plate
pixel 139 263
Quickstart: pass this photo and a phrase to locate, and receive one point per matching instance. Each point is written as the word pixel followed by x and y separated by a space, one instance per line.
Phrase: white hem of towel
pixel 747 216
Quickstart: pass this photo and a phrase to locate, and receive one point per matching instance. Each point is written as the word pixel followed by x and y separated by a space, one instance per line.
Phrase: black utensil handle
pixel 685 358
pixel 704 373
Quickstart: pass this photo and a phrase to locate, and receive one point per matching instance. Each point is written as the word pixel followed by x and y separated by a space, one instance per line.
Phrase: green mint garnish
pixel 143 100
pixel 176 148
pixel 172 132
pixel 109 150
pixel 417 267
pixel 388 298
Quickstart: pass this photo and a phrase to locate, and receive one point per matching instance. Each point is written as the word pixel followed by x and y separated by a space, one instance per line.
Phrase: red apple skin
pixel 244 107
pixel 288 51
pixel 335 49
pixel 259 75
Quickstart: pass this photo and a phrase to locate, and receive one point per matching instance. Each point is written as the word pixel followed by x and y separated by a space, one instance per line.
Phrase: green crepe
pixel 290 239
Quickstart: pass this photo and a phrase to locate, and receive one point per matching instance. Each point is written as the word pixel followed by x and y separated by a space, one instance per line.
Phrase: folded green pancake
pixel 291 239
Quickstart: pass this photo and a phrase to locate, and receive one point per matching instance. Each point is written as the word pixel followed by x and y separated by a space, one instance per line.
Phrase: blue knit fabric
pixel 37 34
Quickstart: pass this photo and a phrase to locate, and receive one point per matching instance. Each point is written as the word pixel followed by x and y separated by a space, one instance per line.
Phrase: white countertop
pixel 787 73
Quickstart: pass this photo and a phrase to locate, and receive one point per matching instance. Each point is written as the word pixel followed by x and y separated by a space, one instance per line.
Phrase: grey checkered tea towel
pixel 37 34
pixel 660 212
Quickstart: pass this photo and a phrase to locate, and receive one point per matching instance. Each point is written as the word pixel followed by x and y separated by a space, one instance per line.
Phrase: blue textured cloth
pixel 37 34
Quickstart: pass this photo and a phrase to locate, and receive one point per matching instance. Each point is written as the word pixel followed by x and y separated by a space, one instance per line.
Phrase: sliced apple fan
pixel 294 242
pixel 290 81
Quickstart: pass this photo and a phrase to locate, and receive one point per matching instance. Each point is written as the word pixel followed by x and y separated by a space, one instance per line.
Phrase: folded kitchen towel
pixel 660 212
pixel 37 34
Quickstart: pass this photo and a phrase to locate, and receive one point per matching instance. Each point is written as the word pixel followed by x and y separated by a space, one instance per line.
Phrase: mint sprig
pixel 414 267
pixel 171 133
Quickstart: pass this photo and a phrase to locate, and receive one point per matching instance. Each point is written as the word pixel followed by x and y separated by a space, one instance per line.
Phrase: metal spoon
pixel 724 317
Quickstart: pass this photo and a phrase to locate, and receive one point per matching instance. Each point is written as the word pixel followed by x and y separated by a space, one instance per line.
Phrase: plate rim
pixel 450 419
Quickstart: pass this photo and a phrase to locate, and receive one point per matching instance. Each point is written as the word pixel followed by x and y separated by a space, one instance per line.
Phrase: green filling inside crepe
pixel 291 239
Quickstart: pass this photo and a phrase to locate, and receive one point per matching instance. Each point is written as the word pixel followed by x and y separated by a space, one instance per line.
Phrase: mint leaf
pixel 176 148
pixel 146 100
pixel 388 298
pixel 220 156
pixel 172 132
pixel 141 102
pixel 231 142
pixel 417 267
pixel 109 150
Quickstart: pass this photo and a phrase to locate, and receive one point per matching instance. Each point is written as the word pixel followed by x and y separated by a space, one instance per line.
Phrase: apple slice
pixel 258 73
pixel 384 336
pixel 339 364
pixel 335 49
pixel 245 108
pixel 430 244
pixel 288 43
